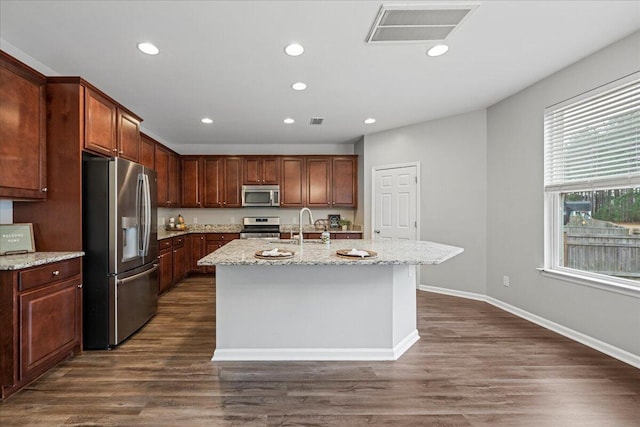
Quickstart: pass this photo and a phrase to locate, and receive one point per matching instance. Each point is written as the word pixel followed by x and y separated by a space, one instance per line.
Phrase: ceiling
pixel 225 60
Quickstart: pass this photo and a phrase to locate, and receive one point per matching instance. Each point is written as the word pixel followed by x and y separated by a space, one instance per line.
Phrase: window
pixel 592 185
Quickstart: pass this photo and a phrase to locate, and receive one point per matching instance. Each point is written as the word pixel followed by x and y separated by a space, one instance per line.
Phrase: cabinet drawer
pixel 177 241
pixel 222 236
pixel 37 276
pixel 164 244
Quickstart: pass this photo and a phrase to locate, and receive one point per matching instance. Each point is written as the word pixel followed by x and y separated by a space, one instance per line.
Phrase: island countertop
pixel 409 252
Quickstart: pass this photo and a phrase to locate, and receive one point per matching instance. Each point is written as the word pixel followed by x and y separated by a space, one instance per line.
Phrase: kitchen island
pixel 316 305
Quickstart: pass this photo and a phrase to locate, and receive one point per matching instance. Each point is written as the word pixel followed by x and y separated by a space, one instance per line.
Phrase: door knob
pixel 376 231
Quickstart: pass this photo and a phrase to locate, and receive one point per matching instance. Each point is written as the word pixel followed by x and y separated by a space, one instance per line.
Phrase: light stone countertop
pixel 236 228
pixel 18 262
pixel 411 252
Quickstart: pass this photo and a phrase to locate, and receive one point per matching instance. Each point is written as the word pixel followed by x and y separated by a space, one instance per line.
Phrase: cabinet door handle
pixel 55 272
pixel 121 152
pixel 80 286
pixel 44 189
pixel 115 150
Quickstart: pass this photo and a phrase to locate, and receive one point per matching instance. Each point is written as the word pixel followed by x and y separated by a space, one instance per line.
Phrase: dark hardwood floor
pixel 474 365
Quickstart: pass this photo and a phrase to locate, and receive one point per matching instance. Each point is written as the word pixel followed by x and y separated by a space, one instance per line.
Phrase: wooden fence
pixel 606 250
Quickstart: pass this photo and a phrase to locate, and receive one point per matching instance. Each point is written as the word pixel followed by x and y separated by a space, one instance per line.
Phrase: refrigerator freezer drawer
pixel 136 301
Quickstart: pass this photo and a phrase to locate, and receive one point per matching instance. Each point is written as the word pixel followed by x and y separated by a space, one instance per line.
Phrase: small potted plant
pixel 345 224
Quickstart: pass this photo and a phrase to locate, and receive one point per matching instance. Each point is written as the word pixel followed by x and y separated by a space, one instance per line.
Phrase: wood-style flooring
pixel 474 365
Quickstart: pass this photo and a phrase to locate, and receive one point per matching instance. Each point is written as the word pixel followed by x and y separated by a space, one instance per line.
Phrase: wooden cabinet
pixel 196 247
pixel 232 182
pixel 258 170
pixel 292 182
pixel 172 262
pixel 346 236
pixel 147 151
pixel 41 320
pixel 22 131
pixel 109 129
pixel 344 183
pixel 168 175
pixel 332 181
pixel 99 123
pixel 128 136
pixel 179 259
pixel 212 182
pixel 165 265
pixel 192 175
pixel 318 181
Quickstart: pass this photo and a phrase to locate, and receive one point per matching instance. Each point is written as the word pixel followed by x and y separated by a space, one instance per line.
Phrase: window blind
pixel 593 141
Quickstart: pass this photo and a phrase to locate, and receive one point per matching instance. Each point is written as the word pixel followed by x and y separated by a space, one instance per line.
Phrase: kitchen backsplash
pixel 234 216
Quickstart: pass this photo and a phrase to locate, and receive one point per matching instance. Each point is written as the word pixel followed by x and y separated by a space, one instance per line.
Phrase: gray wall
pixel 515 205
pixel 453 192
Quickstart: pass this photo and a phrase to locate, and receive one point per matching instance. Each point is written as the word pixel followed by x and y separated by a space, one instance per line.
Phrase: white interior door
pixel 395 202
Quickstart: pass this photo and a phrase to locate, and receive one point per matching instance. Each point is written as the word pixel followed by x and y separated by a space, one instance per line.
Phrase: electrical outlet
pixel 195 220
pixel 161 221
pixel 505 281
pixel 233 220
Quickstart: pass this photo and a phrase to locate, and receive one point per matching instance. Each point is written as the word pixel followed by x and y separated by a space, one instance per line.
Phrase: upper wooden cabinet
pixel 261 170
pixel 292 182
pixel 168 176
pixel 344 181
pixel 109 129
pixel 22 131
pixel 147 152
pixel 232 192
pixel 99 123
pixel 332 181
pixel 128 136
pixel 211 182
pixel 191 182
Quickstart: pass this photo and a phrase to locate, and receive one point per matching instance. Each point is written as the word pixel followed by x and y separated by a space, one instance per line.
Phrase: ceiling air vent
pixel 418 24
pixel 316 120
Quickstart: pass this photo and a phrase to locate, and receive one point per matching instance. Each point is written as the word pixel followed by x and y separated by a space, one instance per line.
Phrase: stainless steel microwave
pixel 260 195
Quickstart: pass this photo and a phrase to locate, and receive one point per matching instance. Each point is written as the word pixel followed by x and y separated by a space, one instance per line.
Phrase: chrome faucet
pixel 310 219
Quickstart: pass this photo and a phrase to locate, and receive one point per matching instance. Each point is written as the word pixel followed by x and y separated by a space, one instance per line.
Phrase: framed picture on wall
pixel 334 221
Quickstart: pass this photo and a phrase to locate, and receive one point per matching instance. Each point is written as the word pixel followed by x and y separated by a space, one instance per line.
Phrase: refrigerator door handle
pixel 145 213
pixel 136 276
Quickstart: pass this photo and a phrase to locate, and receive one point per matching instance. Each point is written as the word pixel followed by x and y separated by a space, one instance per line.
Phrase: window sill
pixel 606 285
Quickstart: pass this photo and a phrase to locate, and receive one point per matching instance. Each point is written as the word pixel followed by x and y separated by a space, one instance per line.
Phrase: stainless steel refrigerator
pixel 120 292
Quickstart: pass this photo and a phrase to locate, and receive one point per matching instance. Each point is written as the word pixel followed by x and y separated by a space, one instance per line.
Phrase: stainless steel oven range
pixel 260 227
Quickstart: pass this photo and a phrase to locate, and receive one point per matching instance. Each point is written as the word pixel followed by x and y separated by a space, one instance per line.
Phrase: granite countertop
pixel 411 252
pixel 236 228
pixel 18 262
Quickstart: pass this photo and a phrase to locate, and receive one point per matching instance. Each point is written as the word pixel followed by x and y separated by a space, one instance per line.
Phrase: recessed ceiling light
pixel 299 86
pixel 289 120
pixel 148 48
pixel 294 49
pixel 370 120
pixel 437 50
pixel 207 120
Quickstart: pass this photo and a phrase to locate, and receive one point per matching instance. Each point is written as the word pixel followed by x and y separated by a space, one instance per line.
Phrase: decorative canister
pixel 325 237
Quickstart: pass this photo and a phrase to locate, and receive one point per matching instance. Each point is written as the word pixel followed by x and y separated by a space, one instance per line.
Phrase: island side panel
pixel 306 312
pixel 405 331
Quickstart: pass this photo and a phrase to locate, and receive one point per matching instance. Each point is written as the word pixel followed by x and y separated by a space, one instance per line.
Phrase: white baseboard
pixel 316 354
pixel 601 346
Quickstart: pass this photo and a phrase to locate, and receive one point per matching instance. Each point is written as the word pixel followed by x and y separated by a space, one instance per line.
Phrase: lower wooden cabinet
pixel 179 259
pixel 165 265
pixel 196 247
pixel 41 318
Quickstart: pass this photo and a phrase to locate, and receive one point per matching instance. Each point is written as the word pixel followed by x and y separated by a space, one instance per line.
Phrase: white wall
pixel 230 149
pixel 515 206
pixel 453 192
